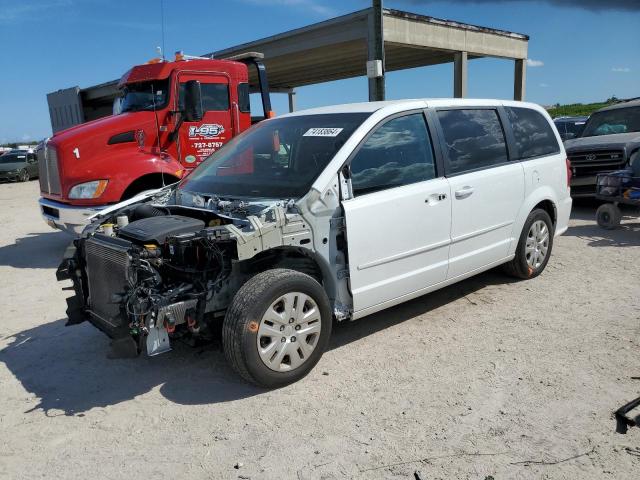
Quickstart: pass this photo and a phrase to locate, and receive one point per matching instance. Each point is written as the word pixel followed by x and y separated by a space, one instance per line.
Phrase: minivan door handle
pixel 464 192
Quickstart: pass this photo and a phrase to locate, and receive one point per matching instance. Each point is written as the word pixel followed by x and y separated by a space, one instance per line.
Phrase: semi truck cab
pixel 170 117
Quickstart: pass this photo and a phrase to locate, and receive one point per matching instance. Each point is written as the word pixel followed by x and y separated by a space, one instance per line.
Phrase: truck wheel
pixel 534 246
pixel 23 176
pixel 277 327
pixel 608 216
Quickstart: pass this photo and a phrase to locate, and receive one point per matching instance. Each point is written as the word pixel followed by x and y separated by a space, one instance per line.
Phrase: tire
pixel 24 176
pixel 255 331
pixel 529 263
pixel 608 216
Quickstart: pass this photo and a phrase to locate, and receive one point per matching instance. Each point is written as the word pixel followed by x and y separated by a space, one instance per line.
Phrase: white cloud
pixel 28 9
pixel 534 63
pixel 621 69
pixel 313 5
pixel 544 85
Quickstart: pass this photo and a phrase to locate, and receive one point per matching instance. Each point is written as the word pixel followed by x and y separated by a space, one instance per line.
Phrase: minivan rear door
pixel 487 189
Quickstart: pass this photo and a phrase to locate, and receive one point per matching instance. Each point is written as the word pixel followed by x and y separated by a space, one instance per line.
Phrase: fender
pixel 138 163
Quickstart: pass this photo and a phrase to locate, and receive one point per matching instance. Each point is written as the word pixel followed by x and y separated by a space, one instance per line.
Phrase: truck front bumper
pixel 65 217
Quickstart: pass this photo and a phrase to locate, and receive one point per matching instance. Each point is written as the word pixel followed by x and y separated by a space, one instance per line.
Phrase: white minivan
pixel 323 215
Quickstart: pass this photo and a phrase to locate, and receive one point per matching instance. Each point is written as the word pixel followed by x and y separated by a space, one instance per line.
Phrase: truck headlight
pixel 89 189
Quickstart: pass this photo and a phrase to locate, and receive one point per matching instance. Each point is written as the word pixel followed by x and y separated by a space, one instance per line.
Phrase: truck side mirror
pixel 192 101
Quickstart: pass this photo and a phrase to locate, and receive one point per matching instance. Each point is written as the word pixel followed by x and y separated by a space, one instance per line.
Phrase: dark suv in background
pixel 570 127
pixel 18 165
pixel 610 141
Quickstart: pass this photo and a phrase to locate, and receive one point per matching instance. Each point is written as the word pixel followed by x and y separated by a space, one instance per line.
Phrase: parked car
pixel 570 127
pixel 610 142
pixel 18 165
pixel 331 213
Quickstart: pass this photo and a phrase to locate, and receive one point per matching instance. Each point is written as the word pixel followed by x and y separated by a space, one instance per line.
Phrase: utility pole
pixel 375 48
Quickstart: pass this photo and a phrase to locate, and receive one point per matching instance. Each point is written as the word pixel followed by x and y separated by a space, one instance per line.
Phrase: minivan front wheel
pixel 534 246
pixel 277 327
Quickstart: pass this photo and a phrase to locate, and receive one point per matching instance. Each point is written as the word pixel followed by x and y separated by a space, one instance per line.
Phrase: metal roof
pixel 337 48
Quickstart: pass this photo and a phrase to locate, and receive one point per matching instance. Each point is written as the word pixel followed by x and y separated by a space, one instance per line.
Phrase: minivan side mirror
pixel 192 101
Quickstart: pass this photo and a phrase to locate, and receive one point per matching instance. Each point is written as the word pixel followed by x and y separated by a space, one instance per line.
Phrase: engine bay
pixel 150 272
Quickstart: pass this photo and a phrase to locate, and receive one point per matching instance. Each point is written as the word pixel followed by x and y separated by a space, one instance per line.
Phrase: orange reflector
pixel 179 173
pixel 154 60
pixel 271 114
pixel 102 185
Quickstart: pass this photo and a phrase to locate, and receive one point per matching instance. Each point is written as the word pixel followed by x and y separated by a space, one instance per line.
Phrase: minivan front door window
pixel 397 153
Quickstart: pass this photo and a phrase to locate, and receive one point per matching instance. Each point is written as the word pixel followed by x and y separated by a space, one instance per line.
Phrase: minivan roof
pixel 398 105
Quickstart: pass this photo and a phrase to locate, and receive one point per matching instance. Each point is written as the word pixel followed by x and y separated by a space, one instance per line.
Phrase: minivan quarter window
pixel 533 134
pixel 474 139
pixel 399 152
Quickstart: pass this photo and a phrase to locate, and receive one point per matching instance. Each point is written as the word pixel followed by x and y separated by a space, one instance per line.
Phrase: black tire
pixel 241 323
pixel 23 176
pixel 608 216
pixel 518 267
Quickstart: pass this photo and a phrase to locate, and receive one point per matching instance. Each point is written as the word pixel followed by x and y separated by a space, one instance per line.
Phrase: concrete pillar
pixel 292 100
pixel 375 50
pixel 519 79
pixel 460 75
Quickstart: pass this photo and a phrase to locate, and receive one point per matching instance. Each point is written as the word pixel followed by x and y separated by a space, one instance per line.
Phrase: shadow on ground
pixel 36 250
pixel 68 371
pixel 627 235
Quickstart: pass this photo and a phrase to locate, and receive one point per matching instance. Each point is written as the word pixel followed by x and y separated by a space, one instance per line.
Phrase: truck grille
pixel 587 163
pixel 48 170
pixel 107 271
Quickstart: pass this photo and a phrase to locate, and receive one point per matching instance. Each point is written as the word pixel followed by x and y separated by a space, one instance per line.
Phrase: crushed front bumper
pixel 65 217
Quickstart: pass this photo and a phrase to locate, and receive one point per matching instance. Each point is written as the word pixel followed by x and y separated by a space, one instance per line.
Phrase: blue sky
pixel 577 54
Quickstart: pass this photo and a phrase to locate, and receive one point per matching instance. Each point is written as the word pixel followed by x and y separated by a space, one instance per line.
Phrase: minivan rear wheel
pixel 277 327
pixel 534 246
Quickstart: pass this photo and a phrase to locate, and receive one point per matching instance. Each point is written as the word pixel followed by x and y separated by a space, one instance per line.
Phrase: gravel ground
pixel 489 378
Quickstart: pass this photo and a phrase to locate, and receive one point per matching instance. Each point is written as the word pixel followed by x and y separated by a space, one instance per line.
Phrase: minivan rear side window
pixel 533 134
pixel 474 139
pixel 397 153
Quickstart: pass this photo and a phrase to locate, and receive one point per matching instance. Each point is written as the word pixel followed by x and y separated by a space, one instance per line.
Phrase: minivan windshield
pixel 609 122
pixel 277 158
pixel 144 96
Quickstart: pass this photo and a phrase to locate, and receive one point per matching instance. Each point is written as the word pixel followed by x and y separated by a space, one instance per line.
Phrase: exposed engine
pixel 155 276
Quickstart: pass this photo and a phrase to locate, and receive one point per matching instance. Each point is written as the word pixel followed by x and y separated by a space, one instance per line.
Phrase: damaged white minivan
pixel 321 215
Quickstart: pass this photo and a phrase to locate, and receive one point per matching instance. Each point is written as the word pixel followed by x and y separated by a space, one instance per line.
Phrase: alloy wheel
pixel 289 332
pixel 537 244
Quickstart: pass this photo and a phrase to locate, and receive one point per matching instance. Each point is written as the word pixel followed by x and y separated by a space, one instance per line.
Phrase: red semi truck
pixel 172 115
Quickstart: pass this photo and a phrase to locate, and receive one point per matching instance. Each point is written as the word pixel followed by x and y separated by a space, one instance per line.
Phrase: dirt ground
pixel 489 378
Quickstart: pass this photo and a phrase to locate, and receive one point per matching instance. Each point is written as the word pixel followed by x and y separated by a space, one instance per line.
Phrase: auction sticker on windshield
pixel 323 132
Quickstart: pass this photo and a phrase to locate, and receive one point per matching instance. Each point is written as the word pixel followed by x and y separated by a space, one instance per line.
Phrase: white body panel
pixel 398 241
pixel 485 205
pixel 400 247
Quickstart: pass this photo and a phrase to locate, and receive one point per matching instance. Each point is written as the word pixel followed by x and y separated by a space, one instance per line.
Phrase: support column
pixel 375 50
pixel 519 79
pixel 292 100
pixel 460 75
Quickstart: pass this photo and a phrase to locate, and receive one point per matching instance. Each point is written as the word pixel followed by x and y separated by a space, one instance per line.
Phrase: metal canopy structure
pixel 336 49
pixel 340 48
